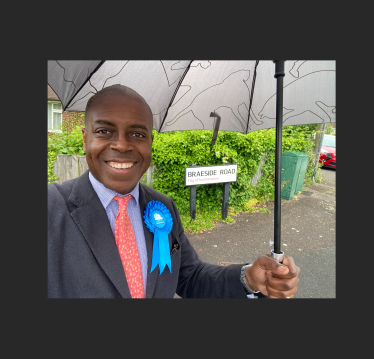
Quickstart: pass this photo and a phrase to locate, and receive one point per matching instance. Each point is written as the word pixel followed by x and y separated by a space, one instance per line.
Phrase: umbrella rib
pixel 88 79
pixel 250 101
pixel 64 74
pixel 175 92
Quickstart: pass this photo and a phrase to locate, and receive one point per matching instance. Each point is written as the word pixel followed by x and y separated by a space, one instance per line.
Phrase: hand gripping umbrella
pixel 234 96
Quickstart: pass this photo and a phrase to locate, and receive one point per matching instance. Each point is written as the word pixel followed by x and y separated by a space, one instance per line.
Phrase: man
pixel 99 245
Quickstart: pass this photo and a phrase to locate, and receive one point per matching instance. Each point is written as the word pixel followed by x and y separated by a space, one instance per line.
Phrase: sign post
pixel 225 199
pixel 198 175
pixel 193 199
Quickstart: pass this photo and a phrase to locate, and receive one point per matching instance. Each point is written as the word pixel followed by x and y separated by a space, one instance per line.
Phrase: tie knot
pixel 122 201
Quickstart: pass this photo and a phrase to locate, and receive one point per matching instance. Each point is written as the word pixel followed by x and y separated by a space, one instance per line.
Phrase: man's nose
pixel 121 144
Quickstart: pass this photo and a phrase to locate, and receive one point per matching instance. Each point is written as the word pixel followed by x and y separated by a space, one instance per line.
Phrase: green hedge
pixel 172 151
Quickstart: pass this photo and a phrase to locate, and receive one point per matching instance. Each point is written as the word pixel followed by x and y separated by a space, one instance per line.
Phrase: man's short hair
pixel 114 90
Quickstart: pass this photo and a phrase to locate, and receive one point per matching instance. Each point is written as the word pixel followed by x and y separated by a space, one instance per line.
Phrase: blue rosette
pixel 159 221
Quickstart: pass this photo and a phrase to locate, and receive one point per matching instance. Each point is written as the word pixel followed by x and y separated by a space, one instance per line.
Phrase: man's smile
pixel 114 164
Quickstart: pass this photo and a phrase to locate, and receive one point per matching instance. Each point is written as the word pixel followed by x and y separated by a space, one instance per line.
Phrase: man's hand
pixel 273 279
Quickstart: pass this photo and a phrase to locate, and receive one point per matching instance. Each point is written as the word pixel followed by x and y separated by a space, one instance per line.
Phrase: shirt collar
pixel 106 195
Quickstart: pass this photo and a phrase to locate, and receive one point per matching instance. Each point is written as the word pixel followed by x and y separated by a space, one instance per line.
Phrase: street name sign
pixel 197 175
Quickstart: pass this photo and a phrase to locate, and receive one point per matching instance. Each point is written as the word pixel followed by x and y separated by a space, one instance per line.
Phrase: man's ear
pixel 152 138
pixel 84 133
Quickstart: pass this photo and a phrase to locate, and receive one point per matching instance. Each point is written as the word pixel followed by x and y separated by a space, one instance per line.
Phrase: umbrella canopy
pixel 182 94
pixel 239 96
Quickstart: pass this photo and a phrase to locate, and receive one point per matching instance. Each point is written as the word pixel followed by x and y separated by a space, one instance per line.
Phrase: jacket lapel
pixel 152 277
pixel 91 218
pixel 144 198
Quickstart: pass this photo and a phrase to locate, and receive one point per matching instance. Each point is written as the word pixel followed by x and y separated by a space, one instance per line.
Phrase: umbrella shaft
pixel 279 74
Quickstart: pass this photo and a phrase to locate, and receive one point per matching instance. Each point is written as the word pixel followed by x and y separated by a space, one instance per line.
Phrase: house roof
pixel 51 94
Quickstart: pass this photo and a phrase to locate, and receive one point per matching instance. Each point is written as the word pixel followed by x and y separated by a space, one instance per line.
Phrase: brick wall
pixel 70 119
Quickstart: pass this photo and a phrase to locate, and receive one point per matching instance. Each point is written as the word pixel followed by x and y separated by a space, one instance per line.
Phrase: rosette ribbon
pixel 159 221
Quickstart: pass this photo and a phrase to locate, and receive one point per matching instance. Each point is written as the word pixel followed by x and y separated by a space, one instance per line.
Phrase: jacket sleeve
pixel 203 280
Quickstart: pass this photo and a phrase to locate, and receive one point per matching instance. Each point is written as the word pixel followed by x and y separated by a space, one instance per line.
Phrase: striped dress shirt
pixel 106 196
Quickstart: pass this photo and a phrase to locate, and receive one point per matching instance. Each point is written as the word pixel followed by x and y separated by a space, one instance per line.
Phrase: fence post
pixel 149 173
pixel 74 169
pixel 82 165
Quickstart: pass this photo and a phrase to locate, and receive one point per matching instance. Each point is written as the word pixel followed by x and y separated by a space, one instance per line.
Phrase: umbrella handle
pixel 216 127
pixel 278 256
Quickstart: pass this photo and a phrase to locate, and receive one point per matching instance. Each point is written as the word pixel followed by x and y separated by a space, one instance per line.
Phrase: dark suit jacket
pixel 83 259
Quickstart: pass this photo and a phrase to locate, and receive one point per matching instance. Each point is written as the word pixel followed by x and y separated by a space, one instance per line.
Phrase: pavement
pixel 307 234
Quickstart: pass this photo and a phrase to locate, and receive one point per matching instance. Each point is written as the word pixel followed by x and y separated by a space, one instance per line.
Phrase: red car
pixel 328 153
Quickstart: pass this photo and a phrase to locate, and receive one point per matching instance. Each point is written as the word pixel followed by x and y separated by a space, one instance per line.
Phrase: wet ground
pixel 307 234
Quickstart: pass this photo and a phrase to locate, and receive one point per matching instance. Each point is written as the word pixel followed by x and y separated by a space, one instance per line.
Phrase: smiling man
pixel 118 138
pixel 101 244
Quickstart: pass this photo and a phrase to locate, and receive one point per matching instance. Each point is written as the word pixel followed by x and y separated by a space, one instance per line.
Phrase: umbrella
pixel 238 96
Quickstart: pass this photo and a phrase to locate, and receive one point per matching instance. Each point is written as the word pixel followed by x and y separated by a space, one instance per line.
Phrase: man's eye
pixel 137 134
pixel 103 132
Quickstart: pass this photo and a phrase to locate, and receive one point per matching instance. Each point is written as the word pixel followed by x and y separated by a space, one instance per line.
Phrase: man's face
pixel 118 141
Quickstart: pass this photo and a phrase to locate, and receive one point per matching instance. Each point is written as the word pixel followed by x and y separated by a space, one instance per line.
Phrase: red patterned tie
pixel 128 250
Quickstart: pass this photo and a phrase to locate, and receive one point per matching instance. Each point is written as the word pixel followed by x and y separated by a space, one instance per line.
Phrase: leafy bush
pixel 67 143
pixel 250 205
pixel 63 143
pixel 329 130
pixel 172 151
pixel 51 161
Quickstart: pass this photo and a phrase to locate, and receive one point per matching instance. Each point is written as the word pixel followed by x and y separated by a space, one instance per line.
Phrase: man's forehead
pixel 123 101
pixel 120 99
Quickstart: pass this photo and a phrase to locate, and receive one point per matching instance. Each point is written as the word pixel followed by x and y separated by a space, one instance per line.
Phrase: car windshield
pixel 329 141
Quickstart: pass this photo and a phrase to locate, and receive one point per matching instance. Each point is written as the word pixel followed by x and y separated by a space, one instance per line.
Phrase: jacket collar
pixel 91 219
